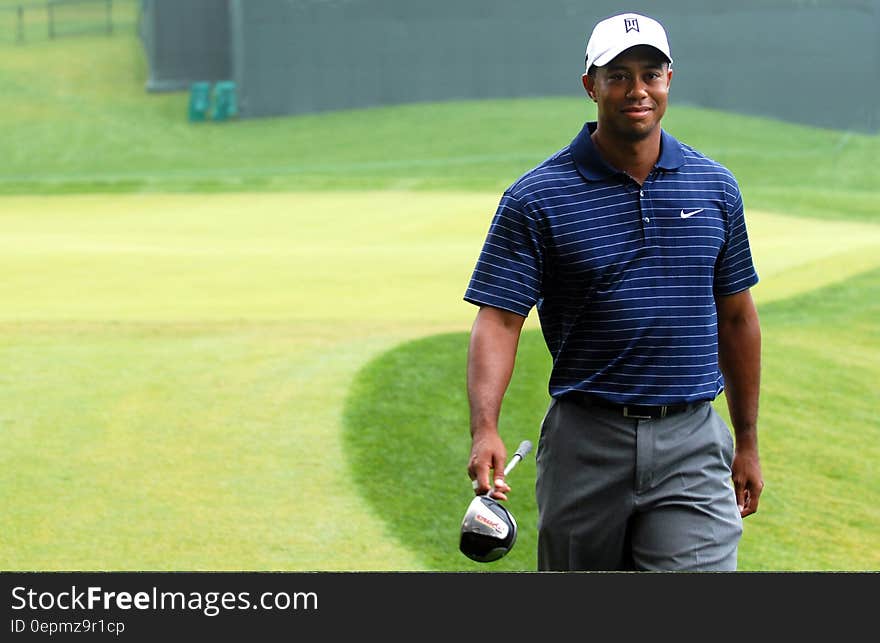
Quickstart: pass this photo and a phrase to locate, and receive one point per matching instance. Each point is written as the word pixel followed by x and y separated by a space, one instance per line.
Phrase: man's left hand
pixel 747 480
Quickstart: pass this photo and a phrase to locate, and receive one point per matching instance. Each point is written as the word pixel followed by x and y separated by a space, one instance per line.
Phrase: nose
pixel 637 90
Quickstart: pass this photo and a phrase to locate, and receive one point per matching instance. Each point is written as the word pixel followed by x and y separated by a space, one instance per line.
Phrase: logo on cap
pixel 631 24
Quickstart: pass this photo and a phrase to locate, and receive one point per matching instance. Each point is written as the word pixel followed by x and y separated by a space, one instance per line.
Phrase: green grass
pixel 185 306
pixel 180 447
pixel 87 125
pixel 177 368
pixel 175 371
pixel 820 438
pixel 201 258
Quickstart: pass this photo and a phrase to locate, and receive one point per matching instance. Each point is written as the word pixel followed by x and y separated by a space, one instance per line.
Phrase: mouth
pixel 637 111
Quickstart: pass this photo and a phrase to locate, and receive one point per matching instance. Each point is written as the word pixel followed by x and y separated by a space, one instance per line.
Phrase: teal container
pixel 199 101
pixel 225 101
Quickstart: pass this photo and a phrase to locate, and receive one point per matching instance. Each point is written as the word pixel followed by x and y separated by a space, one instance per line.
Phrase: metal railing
pixel 51 19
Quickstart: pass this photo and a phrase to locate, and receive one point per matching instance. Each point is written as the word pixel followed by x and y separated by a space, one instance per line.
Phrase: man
pixel 633 248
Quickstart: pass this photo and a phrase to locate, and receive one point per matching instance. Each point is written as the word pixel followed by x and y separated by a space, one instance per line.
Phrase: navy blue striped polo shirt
pixel 624 277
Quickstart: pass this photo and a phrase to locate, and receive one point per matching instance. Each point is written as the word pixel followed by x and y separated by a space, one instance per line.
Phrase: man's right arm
pixel 491 355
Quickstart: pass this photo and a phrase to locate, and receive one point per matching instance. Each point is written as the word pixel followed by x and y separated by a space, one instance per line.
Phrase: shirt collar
pixel 593 168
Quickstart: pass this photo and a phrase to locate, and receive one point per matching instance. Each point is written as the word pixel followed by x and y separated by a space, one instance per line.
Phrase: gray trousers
pixel 617 493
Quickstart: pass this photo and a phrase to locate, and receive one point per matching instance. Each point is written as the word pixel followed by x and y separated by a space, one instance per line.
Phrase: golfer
pixel 633 248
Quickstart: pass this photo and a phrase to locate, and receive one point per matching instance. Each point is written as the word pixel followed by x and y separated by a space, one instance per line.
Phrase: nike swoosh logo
pixel 685 215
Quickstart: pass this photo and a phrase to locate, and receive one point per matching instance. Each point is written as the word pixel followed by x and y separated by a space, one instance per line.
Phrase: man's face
pixel 631 92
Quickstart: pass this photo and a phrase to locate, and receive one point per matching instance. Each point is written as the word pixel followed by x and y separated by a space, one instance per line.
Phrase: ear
pixel 589 85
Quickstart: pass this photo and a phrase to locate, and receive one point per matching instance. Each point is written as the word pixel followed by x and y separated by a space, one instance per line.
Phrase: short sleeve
pixel 735 269
pixel 508 270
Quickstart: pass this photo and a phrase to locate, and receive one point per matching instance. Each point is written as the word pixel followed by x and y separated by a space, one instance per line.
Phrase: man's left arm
pixel 739 356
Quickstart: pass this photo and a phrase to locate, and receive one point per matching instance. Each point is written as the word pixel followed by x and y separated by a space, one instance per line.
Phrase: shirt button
pixel 646 220
pixel 641 193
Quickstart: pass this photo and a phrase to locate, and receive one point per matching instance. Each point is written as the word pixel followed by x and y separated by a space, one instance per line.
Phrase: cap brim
pixel 607 56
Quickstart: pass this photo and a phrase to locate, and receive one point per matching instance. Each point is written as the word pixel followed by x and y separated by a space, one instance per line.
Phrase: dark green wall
pixel 808 61
pixel 813 62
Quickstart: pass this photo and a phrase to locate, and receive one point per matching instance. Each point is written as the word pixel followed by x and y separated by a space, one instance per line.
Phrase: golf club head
pixel 488 530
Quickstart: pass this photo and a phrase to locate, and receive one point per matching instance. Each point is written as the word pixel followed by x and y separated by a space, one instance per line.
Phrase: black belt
pixel 635 411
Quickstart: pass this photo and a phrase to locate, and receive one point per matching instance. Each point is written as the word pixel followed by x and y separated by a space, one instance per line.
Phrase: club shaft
pixel 524 447
pixel 513 462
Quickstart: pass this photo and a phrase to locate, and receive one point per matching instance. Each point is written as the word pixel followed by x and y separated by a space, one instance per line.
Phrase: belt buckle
pixel 627 414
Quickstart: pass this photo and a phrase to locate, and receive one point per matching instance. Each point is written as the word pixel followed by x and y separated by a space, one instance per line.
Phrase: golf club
pixel 488 529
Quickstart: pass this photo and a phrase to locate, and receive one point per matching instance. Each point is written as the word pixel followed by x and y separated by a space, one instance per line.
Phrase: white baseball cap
pixel 616 34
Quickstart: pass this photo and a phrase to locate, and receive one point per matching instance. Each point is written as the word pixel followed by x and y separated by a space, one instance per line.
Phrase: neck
pixel 636 157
